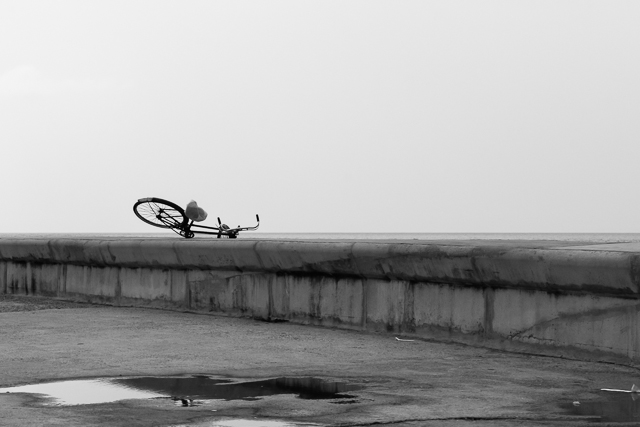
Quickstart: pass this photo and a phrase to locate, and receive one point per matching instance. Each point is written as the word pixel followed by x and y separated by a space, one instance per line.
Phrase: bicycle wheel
pixel 160 213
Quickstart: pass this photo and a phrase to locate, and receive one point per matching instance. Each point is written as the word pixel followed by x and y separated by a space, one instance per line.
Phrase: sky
pixel 322 116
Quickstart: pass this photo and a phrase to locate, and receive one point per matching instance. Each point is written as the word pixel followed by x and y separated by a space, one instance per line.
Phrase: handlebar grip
pixel 257 218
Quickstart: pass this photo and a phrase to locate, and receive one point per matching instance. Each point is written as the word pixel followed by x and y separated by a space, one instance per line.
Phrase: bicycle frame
pixel 221 230
pixel 165 214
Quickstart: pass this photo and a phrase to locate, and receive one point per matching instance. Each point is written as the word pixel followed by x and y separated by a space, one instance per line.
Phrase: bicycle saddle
pixel 195 212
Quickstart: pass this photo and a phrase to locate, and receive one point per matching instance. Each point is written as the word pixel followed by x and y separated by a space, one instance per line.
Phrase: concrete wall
pixel 548 298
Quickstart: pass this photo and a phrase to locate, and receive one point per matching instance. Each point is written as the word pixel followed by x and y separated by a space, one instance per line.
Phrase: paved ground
pixel 419 383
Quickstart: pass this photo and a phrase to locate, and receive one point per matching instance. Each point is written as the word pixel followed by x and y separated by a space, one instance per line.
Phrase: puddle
pixel 612 407
pixel 83 392
pixel 105 390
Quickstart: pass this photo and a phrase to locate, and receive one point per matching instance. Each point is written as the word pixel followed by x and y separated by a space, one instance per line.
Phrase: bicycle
pixel 165 214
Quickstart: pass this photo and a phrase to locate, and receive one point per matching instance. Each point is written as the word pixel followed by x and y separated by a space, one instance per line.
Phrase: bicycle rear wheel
pixel 161 213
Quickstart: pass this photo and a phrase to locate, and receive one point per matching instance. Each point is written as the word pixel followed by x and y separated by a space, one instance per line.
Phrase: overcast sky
pixel 322 116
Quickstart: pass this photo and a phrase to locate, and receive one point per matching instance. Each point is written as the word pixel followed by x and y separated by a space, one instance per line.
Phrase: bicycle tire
pixel 161 213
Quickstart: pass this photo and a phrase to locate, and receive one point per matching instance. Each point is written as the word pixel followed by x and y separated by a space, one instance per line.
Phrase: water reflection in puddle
pixel 80 392
pixel 204 387
pixel 612 407
pixel 83 392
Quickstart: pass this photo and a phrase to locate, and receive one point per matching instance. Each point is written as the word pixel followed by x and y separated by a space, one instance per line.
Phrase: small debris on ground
pixel 634 389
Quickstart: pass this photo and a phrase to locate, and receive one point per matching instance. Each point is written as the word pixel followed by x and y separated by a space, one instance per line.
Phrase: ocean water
pixel 168 234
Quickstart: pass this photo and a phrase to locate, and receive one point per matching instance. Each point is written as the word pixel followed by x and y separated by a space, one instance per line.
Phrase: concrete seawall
pixel 561 298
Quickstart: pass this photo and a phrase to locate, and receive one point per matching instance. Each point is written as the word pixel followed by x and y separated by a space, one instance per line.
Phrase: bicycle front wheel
pixel 160 213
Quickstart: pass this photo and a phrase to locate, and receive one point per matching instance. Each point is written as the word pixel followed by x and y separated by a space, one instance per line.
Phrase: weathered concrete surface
pixel 546 297
pixel 547 265
pixel 419 383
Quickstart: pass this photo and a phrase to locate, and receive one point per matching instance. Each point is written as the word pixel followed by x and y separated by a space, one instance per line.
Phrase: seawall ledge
pixel 546 265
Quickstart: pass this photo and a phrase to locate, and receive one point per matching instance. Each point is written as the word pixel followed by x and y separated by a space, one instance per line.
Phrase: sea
pixel 566 237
